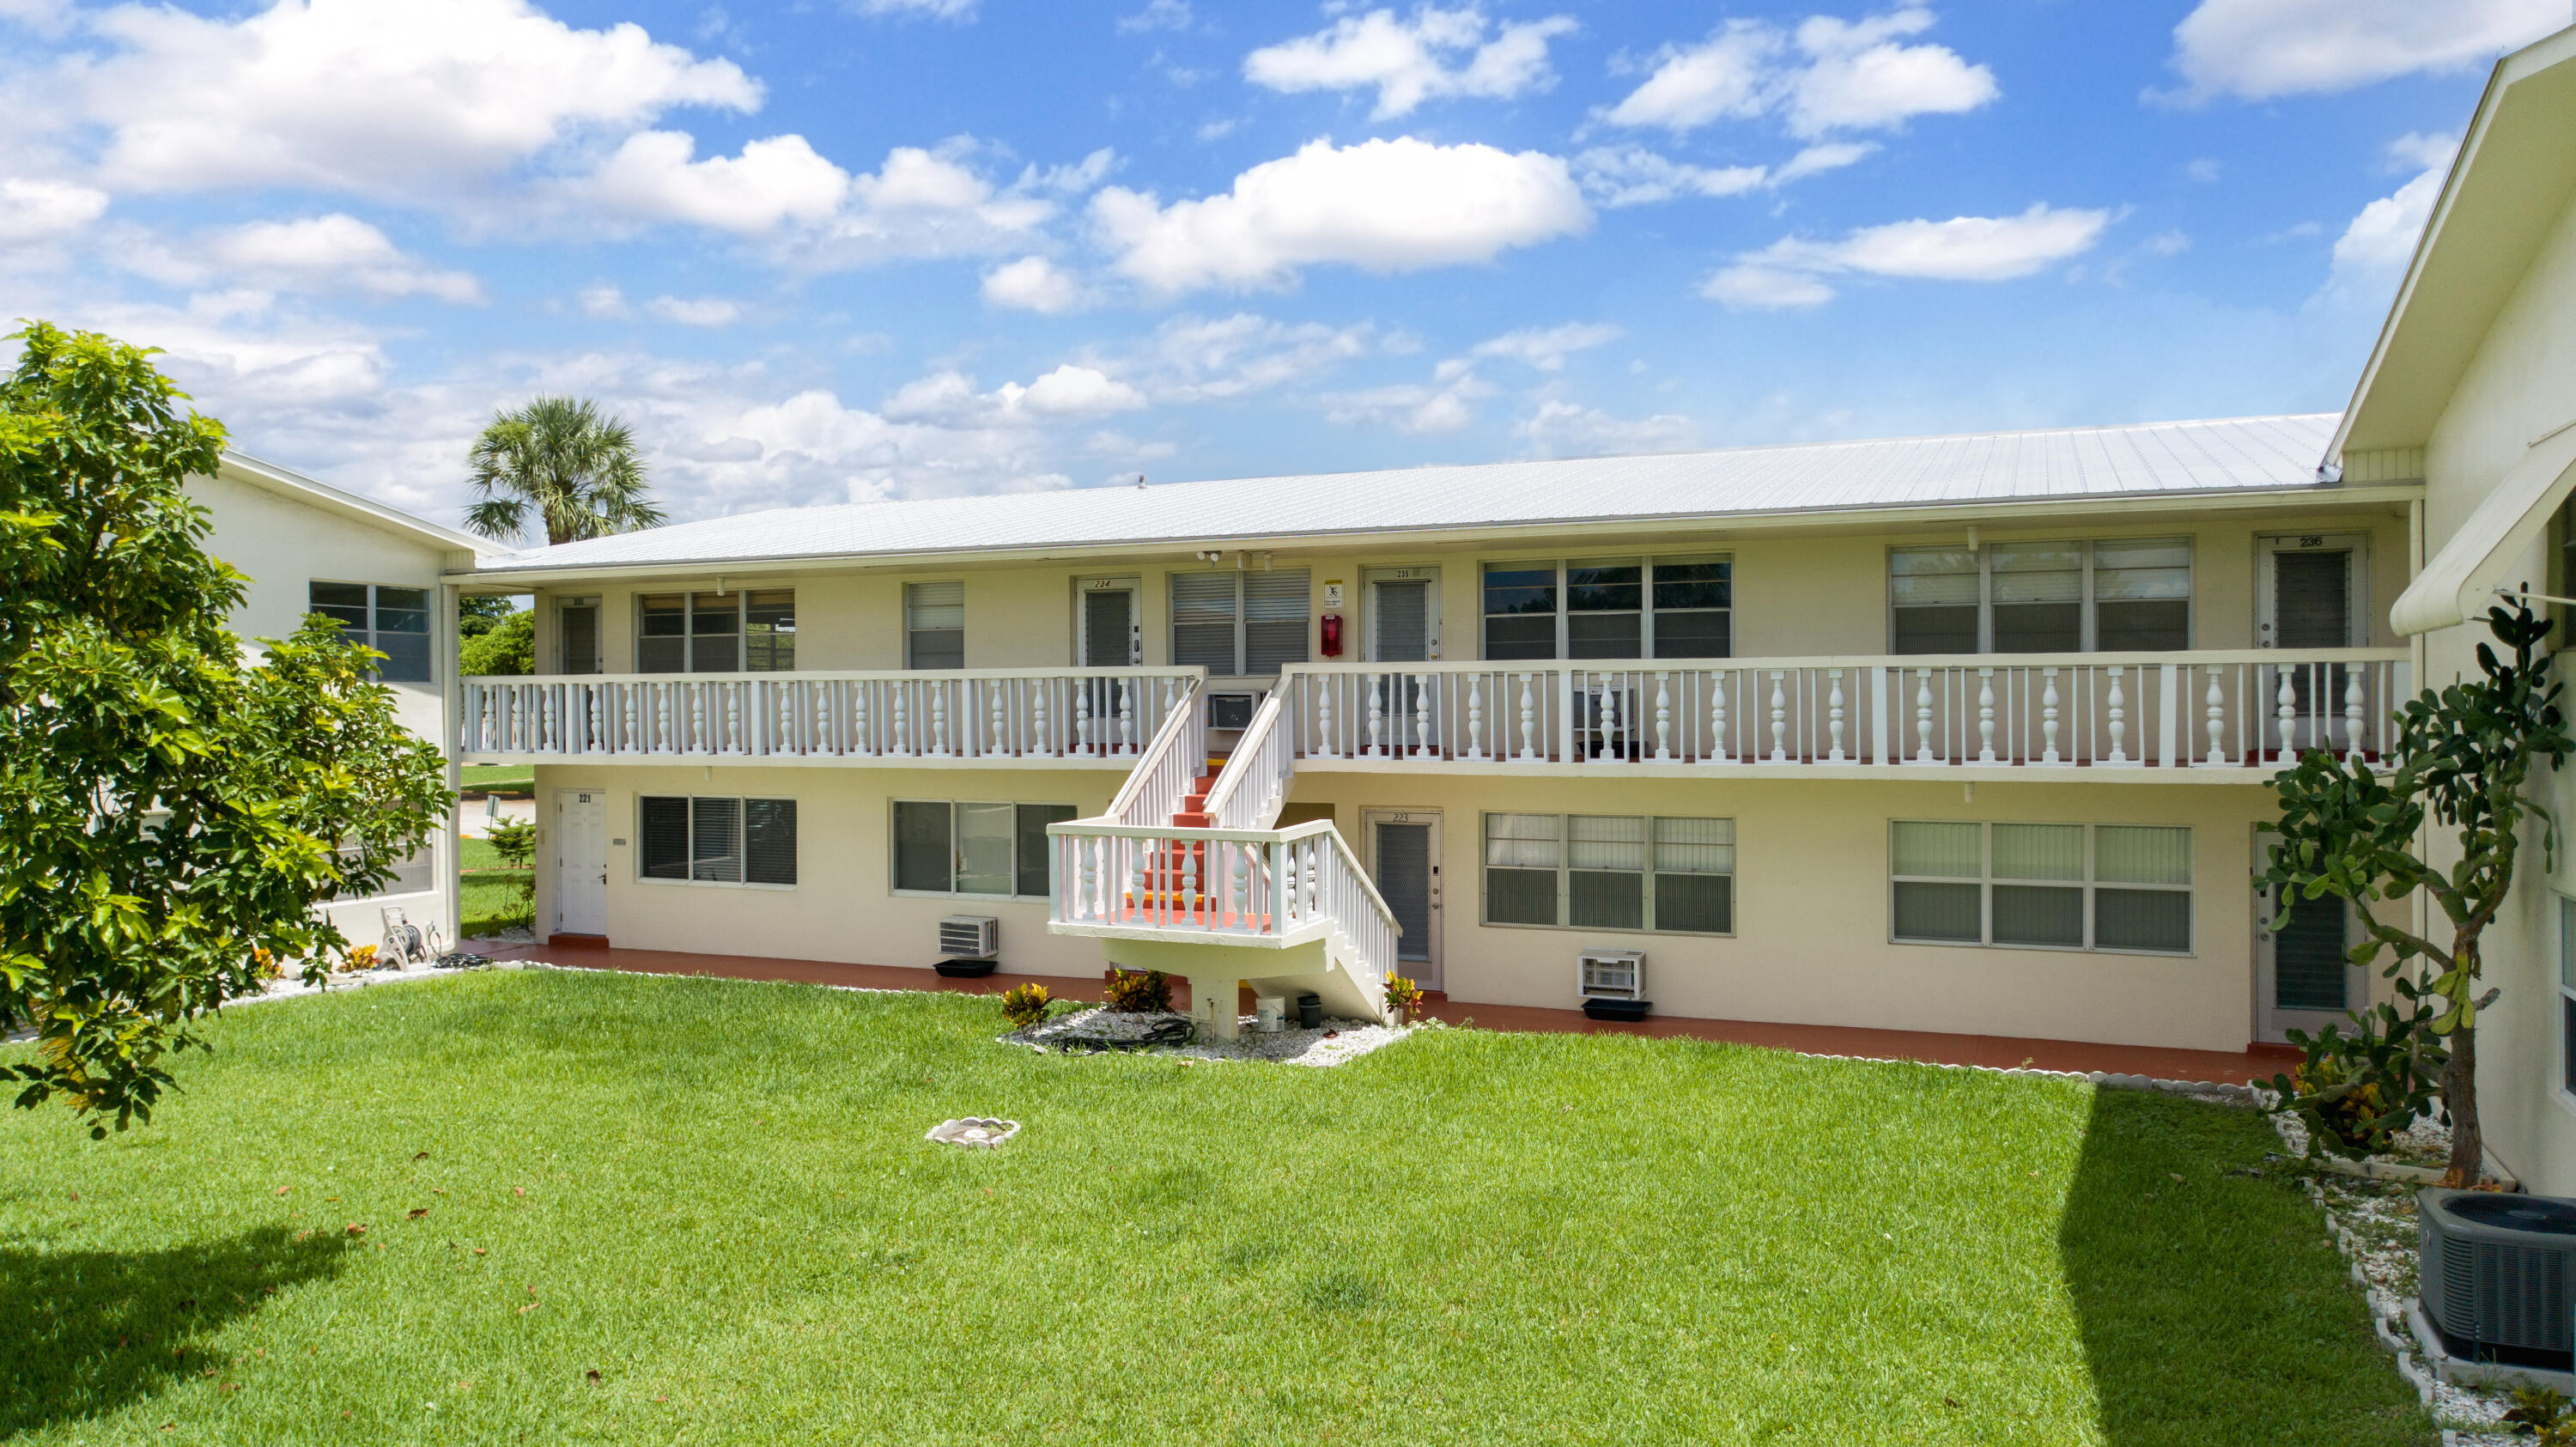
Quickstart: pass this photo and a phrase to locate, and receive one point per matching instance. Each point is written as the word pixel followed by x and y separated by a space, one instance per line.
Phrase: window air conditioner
pixel 1230 710
pixel 969 937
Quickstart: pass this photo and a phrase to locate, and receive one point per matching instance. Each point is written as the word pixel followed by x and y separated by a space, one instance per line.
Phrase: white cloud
pixel 2168 243
pixel 651 177
pixel 2378 243
pixel 1563 429
pixel 1447 405
pixel 2417 150
pixel 1035 284
pixel 1546 348
pixel 2258 49
pixel 702 311
pixel 924 203
pixel 604 301
pixel 2204 170
pixel 1827 75
pixel 949 398
pixel 1157 15
pixel 1790 272
pixel 33 210
pixel 1384 206
pixel 336 252
pixel 1437 53
pixel 1200 359
pixel 928 9
pixel 373 99
pixel 1616 176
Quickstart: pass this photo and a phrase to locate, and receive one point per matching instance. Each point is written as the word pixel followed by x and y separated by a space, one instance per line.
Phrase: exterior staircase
pixel 1185 874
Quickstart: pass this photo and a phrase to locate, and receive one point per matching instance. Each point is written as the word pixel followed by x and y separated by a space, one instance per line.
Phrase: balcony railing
pixel 1057 713
pixel 2211 709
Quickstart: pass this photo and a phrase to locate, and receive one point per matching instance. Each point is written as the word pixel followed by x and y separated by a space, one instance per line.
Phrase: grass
pixel 498 778
pixel 492 896
pixel 715 1197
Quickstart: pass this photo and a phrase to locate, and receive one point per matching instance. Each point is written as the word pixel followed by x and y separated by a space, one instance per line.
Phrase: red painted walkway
pixel 1993 1050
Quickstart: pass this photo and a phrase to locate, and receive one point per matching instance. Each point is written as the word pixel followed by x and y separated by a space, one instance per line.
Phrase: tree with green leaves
pixel 507 648
pixel 171 813
pixel 573 467
pixel 2463 760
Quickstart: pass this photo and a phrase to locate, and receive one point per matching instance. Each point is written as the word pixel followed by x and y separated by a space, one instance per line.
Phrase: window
pixel 1610 872
pixel 1614 608
pixel 718 841
pixel 2567 994
pixel 998 850
pixel 1241 624
pixel 934 625
pixel 2121 596
pixel 2046 886
pixel 417 874
pixel 392 621
pixel 716 632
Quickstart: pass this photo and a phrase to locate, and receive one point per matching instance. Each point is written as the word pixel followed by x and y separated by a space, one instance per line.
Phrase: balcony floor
pixel 2001 1051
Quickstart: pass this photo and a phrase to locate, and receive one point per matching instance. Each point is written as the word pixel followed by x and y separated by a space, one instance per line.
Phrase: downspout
pixel 451 714
pixel 2419 658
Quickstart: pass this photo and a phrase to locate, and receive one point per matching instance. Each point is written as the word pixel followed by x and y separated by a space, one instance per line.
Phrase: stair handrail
pixel 1170 764
pixel 1256 773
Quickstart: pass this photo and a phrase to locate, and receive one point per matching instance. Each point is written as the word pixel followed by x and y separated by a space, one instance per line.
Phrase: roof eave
pixel 349 504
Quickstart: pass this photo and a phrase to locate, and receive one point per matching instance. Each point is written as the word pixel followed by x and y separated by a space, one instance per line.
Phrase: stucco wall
pixel 284 546
pixel 2520 386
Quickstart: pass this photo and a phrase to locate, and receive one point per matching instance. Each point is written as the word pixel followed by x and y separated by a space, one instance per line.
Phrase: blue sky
pixel 889 248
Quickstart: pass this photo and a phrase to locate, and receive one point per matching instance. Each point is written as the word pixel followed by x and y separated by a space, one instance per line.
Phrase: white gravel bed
pixel 1333 1043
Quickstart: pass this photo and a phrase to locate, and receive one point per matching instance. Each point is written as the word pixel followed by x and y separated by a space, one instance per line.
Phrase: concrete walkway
pixel 2003 1051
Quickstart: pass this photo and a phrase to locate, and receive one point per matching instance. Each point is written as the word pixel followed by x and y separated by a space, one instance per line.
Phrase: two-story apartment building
pixel 309 547
pixel 1960 734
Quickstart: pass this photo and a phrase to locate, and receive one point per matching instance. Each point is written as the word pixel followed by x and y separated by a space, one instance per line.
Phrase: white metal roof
pixel 2175 459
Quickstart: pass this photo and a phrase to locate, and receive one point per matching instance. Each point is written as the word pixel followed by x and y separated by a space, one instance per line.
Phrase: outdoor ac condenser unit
pixel 1610 975
pixel 970 937
pixel 2498 1271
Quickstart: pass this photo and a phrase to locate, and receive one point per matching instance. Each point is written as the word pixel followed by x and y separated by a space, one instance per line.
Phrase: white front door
pixel 1111 636
pixel 1403 615
pixel 1404 863
pixel 581 862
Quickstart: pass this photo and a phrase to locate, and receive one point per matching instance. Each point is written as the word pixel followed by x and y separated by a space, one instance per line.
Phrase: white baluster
pixel 938 689
pixel 1529 720
pixel 1377 716
pixel 1834 714
pixel 735 742
pixel 1126 715
pixel 2119 711
pixel 1324 714
pixel 1082 718
pixel 662 718
pixel 1614 745
pixel 1422 716
pixel 1985 715
pixel 1718 753
pixel 1663 716
pixel 2285 704
pixel 2216 703
pixel 995 691
pixel 1038 689
pixel 898 730
pixel 697 718
pixel 2352 710
pixel 2048 716
pixel 1475 716
pixel 1779 716
pixel 1923 717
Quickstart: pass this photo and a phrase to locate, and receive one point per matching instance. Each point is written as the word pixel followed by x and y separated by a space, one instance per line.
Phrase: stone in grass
pixel 973 1131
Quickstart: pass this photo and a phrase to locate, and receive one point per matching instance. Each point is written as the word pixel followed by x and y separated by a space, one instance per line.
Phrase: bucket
pixel 1269 1014
pixel 1310 1012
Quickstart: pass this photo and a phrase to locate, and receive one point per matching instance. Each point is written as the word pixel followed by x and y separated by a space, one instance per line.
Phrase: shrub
pixel 264 965
pixel 2542 1414
pixel 1139 992
pixel 514 840
pixel 1403 997
pixel 2356 1092
pixel 1024 1005
pixel 359 957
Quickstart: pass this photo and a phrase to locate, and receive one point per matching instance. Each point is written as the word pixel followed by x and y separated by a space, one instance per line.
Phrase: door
pixel 577 635
pixel 2302 978
pixel 1404 863
pixel 2309 594
pixel 1111 637
pixel 1404 615
pixel 581 862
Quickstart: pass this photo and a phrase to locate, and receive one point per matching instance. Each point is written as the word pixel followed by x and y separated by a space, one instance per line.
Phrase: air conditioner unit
pixel 970 937
pixel 1610 974
pixel 2497 1272
pixel 1230 710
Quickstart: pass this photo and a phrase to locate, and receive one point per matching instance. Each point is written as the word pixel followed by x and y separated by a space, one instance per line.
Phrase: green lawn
pixel 490 894
pixel 499 778
pixel 715 1197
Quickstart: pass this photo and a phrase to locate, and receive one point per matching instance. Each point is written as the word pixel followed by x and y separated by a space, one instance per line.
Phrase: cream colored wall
pixel 843 907
pixel 1811 941
pixel 284 546
pixel 2520 386
pixel 1795 596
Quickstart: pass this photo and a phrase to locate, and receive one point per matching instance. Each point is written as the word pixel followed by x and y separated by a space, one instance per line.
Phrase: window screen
pixel 769 841
pixel 2038 597
pixel 1034 855
pixel 1694 607
pixel 934 625
pixel 1605 614
pixel 1610 608
pixel 2127 595
pixel 1937 593
pixel 1592 871
pixel 2141 596
pixel 1241 624
pixel 968 847
pixel 1695 875
pixel 393 621
pixel 2054 886
pixel 923 856
pixel 1276 607
pixel 1520 612
pixel 1606 865
pixel 1203 621
pixel 662 633
pixel 717 841
pixel 716 632
pixel 1523 855
pixel 665 833
pixel 769 632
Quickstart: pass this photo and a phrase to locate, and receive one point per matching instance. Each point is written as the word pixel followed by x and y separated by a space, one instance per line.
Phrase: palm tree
pixel 572 463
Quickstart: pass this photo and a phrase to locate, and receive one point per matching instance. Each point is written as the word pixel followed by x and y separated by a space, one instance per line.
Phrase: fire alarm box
pixel 1328 640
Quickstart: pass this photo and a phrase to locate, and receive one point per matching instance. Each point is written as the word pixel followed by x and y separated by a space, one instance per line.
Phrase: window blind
pixel 934 623
pixel 664 832
pixel 769 841
pixel 715 840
